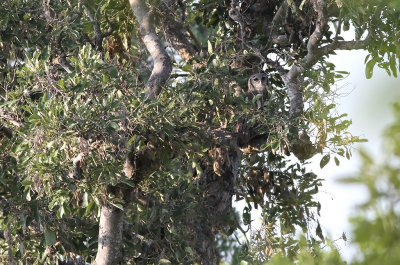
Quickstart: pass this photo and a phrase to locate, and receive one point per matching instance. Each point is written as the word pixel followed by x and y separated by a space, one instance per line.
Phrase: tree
pixel 128 128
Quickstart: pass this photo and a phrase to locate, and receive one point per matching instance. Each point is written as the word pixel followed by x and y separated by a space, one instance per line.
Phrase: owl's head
pixel 258 82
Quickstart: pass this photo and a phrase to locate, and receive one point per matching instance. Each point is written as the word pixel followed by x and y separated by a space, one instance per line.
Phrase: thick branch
pixel 46 9
pixel 178 40
pixel 294 91
pixel 352 45
pixel 276 23
pixel 292 78
pixel 218 181
pixel 162 63
pixel 315 38
pixel 110 236
pixel 342 45
pixel 315 53
pixel 62 57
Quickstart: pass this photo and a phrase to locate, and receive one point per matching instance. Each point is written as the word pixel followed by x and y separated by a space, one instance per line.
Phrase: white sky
pixel 369 107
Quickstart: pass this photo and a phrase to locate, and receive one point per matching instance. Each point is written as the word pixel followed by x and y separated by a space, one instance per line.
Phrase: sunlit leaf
pixel 369 68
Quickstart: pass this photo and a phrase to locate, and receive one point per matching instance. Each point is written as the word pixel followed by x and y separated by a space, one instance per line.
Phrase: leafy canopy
pixel 66 95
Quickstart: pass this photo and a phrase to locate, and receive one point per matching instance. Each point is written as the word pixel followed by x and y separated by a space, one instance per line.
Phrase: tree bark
pixel 218 182
pixel 7 236
pixel 110 236
pixel 162 63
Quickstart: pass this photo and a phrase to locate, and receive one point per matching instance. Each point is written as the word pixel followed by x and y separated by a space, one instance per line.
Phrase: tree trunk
pixel 110 236
pixel 218 181
pixel 111 219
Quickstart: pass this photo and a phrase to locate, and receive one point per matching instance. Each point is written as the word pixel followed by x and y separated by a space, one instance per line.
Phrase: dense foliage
pixel 74 104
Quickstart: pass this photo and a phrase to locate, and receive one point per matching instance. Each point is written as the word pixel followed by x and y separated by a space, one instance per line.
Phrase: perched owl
pixel 257 85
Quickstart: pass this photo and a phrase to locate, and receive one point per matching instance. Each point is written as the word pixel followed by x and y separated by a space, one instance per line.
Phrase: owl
pixel 257 85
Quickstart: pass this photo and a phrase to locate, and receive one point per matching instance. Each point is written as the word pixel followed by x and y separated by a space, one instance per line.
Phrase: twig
pixel 240 228
pixel 98 34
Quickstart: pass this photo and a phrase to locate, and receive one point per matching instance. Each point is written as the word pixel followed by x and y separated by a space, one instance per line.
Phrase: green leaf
pixel 346 25
pixel 34 116
pixel 337 162
pixel 189 250
pixel 114 125
pixel 302 4
pixel 85 200
pixel 366 58
pixel 128 182
pixel 45 54
pixel 60 211
pixel 50 237
pixel 264 146
pixel 115 104
pixel 209 47
pixel 348 154
pixel 27 182
pixel 392 64
pixel 325 160
pixel 257 97
pixel 318 232
pixel 28 195
pixel 112 72
pixel 117 205
pixel 211 59
pixel 36 212
pixel 369 68
pixel 164 261
pixel 276 145
pixel 57 32
pixel 246 218
pixel 89 207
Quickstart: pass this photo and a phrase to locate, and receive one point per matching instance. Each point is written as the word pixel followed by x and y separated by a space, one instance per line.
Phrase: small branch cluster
pixel 99 35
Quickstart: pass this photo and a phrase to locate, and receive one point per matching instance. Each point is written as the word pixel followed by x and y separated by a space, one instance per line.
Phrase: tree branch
pixel 312 45
pixel 162 63
pixel 98 39
pixel 174 32
pixel 352 45
pixel 293 79
pixel 110 236
pixel 276 22
pixel 342 45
